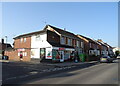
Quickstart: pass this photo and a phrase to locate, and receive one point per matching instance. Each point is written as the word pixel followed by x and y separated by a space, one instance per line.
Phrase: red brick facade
pixel 22 45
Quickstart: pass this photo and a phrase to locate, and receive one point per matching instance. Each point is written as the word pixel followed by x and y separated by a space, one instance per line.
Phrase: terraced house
pixel 55 44
pixel 91 47
pixel 51 43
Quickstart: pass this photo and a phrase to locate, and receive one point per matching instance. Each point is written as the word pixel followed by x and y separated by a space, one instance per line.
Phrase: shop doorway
pixel 61 56
pixel 42 54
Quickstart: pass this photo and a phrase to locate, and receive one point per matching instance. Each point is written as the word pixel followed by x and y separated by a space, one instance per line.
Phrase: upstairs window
pixel 38 38
pixel 24 39
pixel 78 44
pixel 66 40
pixel 21 40
pixel 69 42
pixel 90 45
pixel 73 42
pixel 82 45
pixel 62 40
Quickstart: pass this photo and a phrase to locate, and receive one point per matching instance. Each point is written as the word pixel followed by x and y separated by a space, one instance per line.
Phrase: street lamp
pixel 6 41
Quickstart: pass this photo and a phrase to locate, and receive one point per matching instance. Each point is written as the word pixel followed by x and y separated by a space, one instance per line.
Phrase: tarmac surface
pixel 18 72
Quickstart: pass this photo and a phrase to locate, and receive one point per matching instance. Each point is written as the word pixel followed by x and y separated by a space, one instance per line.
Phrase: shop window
pixel 66 55
pixel 25 53
pixel 32 52
pixel 55 54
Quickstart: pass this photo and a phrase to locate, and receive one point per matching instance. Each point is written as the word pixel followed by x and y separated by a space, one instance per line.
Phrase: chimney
pixel 2 41
pixel 64 29
pixel 99 40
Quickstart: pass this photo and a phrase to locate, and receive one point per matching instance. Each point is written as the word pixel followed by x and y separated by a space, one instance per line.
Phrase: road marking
pixel 33 72
pixel 17 77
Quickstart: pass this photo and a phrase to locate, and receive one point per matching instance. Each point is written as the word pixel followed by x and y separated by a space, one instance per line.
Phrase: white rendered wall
pixel 37 44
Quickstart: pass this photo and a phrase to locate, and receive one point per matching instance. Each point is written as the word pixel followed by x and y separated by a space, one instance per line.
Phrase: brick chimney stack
pixel 2 41
pixel 99 40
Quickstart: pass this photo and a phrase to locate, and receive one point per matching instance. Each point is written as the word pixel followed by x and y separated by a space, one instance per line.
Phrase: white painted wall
pixel 36 44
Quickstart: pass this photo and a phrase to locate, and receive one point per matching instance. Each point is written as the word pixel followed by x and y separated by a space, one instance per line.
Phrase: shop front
pixel 61 54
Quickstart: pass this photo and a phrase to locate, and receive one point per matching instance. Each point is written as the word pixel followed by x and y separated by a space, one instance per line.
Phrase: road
pixel 104 73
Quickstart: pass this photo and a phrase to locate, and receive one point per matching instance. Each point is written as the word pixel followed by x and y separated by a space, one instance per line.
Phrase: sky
pixel 96 20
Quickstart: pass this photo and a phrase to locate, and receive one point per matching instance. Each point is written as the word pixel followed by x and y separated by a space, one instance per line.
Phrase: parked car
pixel 106 59
pixel 118 57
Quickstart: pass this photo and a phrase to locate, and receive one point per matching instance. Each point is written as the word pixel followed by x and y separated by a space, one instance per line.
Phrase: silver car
pixel 106 59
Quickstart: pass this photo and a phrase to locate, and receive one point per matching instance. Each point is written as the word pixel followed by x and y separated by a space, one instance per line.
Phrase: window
pixel 66 40
pixel 82 45
pixel 25 54
pixel 77 43
pixel 24 39
pixel 69 41
pixel 72 42
pixel 62 40
pixel 21 40
pixel 37 37
pixel 90 45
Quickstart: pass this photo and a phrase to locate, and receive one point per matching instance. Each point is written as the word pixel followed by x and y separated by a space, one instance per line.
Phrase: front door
pixel 61 56
pixel 42 54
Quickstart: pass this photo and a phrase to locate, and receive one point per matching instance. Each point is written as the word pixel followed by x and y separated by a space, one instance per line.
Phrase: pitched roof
pixel 29 34
pixel 87 38
pixel 64 32
pixel 4 46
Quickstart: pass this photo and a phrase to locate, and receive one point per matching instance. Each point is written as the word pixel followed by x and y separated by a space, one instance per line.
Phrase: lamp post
pixel 6 41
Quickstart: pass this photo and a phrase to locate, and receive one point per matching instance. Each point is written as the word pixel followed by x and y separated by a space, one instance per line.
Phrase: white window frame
pixel 82 45
pixel 21 40
pixel 69 41
pixel 62 40
pixel 37 38
pixel 78 43
pixel 24 39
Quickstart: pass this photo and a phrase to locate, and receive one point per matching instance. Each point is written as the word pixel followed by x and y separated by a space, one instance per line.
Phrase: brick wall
pixel 18 44
pixel 13 55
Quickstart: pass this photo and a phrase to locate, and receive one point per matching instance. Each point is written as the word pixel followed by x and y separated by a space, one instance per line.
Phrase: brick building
pixel 3 47
pixel 51 43
pixel 55 44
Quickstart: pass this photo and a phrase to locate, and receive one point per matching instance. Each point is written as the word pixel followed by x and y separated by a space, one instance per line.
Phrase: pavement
pixel 67 63
pixel 18 72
